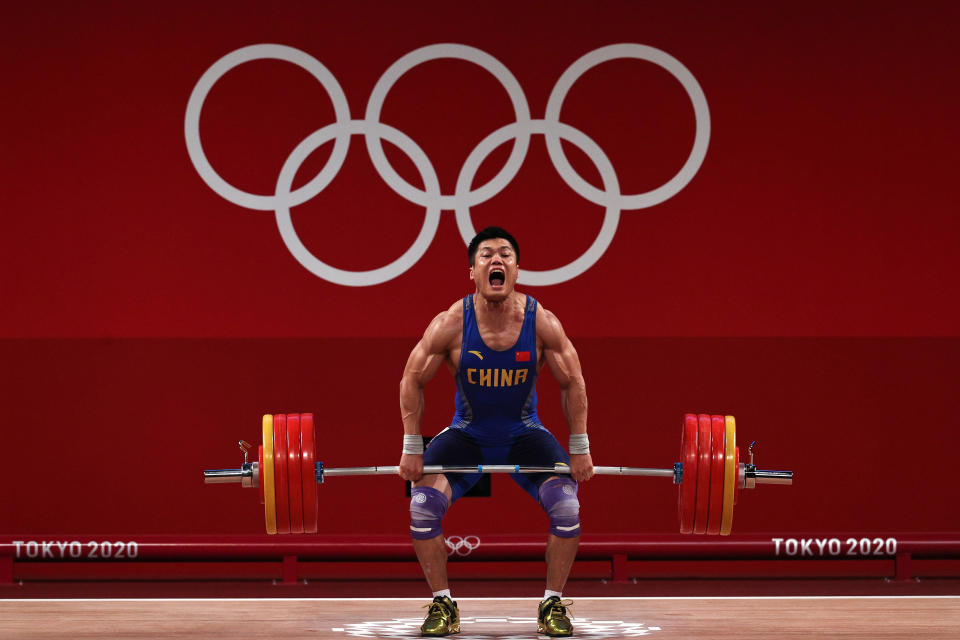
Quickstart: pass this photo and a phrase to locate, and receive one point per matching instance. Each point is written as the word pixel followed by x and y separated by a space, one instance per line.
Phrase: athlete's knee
pixel 427 506
pixel 558 497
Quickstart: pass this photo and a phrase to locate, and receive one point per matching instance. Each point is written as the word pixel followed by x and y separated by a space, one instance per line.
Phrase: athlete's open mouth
pixel 497 277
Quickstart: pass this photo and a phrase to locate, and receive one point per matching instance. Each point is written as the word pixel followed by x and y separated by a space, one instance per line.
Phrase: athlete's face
pixel 494 269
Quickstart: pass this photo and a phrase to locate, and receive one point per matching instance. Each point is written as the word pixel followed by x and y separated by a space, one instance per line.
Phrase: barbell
pixel 286 472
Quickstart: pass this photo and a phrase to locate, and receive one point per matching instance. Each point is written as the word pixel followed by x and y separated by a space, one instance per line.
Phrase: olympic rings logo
pixel 461 546
pixel 465 195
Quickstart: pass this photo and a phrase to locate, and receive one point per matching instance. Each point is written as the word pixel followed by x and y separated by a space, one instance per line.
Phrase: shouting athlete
pixel 495 341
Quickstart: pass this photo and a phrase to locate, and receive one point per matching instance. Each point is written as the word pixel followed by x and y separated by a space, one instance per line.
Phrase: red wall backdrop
pixel 803 280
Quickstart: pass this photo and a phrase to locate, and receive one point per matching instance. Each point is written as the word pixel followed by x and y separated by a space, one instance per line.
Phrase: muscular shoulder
pixel 444 330
pixel 549 330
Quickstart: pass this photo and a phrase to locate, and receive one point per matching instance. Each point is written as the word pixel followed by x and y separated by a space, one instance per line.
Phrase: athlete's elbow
pixel 410 384
pixel 575 385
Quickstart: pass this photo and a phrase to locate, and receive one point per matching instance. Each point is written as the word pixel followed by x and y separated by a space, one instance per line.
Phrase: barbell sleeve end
pixel 768 476
pixel 223 476
pixel 248 475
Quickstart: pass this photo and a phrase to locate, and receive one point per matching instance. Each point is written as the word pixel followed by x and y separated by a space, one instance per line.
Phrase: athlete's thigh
pixel 536 448
pixel 453 447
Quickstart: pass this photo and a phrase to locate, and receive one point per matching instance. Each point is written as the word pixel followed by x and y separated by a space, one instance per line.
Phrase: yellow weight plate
pixel 270 497
pixel 729 475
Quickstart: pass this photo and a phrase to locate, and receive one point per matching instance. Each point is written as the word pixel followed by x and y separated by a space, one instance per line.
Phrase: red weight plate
pixel 260 473
pixel 704 455
pixel 688 486
pixel 280 472
pixel 736 496
pixel 294 466
pixel 718 427
pixel 308 473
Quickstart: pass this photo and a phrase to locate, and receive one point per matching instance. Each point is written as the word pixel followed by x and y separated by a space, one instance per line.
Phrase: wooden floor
pixel 487 618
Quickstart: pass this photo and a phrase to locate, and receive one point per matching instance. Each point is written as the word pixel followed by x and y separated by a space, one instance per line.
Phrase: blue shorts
pixel 532 448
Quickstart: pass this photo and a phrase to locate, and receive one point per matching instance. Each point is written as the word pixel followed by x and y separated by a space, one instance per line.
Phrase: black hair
pixel 488 234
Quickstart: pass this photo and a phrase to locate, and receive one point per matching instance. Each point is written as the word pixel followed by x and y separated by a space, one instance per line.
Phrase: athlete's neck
pixel 496 307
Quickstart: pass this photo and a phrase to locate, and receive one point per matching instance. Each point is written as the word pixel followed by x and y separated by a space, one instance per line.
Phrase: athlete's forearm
pixel 411 411
pixel 573 399
pixel 411 405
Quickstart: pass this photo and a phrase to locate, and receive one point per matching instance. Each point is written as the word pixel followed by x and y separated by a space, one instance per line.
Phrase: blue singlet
pixel 496 420
pixel 497 390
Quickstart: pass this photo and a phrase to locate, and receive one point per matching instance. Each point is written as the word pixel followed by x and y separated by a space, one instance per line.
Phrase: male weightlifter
pixel 495 342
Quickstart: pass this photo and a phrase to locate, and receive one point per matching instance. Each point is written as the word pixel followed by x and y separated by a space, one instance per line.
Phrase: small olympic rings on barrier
pixel 430 197
pixel 461 545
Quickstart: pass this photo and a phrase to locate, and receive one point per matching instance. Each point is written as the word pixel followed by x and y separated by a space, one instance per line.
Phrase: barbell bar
pixel 706 496
pixel 246 474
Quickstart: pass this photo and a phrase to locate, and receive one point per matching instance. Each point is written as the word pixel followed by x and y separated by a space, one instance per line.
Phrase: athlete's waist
pixel 495 422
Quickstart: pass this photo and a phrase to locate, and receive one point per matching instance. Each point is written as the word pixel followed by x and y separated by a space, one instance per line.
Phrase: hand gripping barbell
pixel 710 474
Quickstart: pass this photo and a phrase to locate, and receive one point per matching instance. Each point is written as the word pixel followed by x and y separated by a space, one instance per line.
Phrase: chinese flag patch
pixel 523 356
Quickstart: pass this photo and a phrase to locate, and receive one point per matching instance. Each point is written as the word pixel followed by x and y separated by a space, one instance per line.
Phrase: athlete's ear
pixel 471 273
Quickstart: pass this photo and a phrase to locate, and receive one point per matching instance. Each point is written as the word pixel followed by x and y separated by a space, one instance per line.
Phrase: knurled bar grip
pixel 495 468
pixel 225 476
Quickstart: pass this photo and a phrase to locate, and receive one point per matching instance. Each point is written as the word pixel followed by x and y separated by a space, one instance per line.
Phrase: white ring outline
pixel 607 174
pixel 216 71
pixel 431 198
pixel 701 114
pixel 303 255
pixel 462 542
pixel 460 52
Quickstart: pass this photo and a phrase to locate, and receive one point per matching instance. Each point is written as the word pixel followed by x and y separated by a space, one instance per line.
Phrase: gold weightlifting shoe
pixel 552 617
pixel 443 618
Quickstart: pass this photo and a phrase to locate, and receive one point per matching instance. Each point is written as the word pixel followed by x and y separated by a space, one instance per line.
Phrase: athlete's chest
pixel 502 335
pixel 487 335
pixel 501 339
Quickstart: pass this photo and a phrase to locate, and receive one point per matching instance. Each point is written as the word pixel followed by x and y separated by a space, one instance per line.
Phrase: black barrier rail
pixel 901 556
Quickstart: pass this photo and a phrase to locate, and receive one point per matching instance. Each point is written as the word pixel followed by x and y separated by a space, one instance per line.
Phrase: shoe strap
pixel 563 605
pixel 440 604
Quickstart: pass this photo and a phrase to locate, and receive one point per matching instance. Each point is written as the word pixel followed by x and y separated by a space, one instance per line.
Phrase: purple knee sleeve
pixel 558 498
pixel 427 506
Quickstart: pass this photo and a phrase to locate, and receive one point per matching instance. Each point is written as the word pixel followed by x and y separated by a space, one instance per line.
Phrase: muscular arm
pixel 564 363
pixel 421 366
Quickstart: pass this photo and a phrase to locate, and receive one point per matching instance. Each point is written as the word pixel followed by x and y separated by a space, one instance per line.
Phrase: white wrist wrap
pixel 579 443
pixel 413 443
